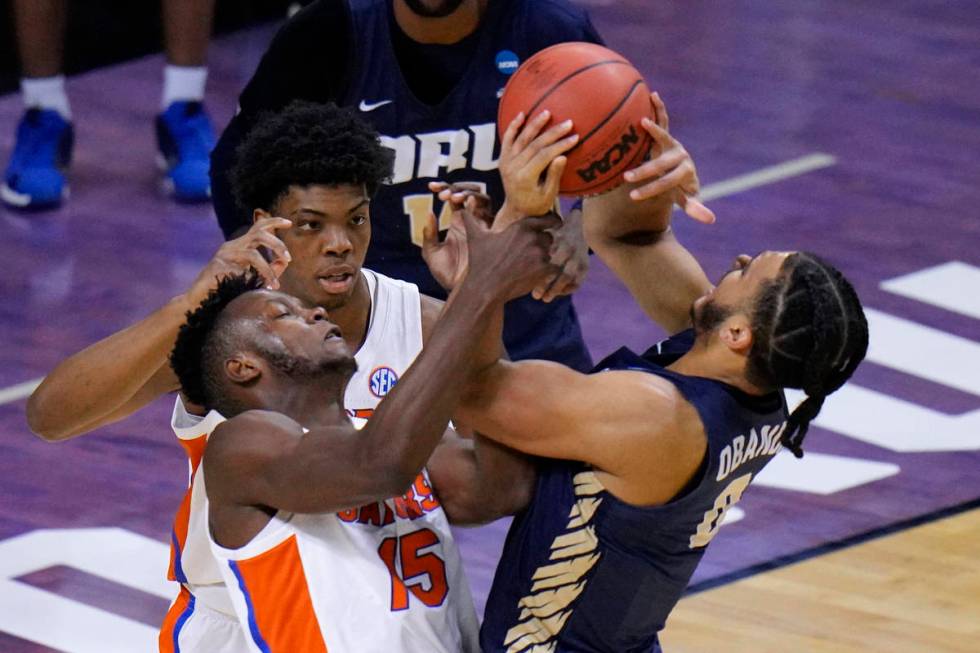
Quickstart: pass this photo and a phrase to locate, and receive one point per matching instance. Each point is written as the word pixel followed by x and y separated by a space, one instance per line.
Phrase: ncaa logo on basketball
pixel 507 62
pixel 382 380
pixel 610 157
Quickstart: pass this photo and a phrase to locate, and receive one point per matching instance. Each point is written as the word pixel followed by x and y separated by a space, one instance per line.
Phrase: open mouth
pixel 336 283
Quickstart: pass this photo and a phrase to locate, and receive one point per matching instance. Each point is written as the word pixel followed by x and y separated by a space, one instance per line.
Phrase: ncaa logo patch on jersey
pixel 507 62
pixel 381 381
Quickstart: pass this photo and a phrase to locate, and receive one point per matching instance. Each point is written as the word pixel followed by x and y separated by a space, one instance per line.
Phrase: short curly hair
pixel 195 355
pixel 306 144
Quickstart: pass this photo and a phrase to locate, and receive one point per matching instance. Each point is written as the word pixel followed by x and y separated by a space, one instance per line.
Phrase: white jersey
pixel 383 577
pixel 393 340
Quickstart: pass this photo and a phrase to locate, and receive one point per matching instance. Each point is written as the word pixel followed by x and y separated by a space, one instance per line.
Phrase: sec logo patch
pixel 381 381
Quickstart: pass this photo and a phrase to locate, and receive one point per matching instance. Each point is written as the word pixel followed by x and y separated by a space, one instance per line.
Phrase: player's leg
pixel 185 135
pixel 35 175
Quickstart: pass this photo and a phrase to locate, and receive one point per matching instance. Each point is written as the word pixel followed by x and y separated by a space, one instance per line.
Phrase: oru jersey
pixel 435 106
pixel 454 141
pixel 583 571
pixel 393 340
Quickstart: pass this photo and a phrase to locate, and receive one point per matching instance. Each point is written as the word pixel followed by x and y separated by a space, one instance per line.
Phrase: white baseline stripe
pixel 770 175
pixel 952 286
pixel 922 351
pixel 19 391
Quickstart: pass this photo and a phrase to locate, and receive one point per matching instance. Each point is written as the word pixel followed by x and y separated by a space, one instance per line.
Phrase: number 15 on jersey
pixel 415 567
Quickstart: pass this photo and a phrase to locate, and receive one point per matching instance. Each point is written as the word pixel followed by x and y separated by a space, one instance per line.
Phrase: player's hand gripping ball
pixel 603 95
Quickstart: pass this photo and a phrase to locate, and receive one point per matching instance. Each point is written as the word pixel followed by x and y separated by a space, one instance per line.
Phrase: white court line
pixel 19 391
pixel 952 286
pixel 770 175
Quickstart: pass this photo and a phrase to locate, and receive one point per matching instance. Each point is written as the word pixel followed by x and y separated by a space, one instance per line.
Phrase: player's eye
pixel 358 220
pixel 311 225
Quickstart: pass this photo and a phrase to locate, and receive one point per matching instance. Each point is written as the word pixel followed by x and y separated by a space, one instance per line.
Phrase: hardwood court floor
pixel 917 590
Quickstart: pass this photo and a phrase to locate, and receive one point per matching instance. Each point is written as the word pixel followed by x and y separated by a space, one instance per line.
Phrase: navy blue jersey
pixel 583 571
pixel 436 106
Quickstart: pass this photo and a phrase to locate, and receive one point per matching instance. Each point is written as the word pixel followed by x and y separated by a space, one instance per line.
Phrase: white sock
pixel 183 83
pixel 46 93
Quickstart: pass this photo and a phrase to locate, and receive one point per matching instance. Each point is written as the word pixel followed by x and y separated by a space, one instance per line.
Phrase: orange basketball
pixel 605 97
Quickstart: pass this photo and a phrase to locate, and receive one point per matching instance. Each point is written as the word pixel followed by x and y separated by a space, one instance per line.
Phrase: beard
pixel 301 368
pixel 433 9
pixel 709 316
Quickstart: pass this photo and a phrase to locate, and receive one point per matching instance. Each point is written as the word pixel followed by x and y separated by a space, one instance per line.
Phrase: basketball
pixel 603 95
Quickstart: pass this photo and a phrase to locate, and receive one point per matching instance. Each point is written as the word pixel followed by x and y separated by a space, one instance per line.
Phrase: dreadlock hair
pixel 307 144
pixel 809 332
pixel 196 353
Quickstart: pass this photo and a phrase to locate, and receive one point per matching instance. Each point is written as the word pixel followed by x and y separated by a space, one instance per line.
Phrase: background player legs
pixel 187 31
pixel 35 175
pixel 40 26
pixel 185 135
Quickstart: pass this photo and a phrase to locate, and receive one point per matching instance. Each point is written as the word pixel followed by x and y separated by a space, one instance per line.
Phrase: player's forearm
pixel 479 481
pixel 94 385
pixel 490 347
pixel 505 481
pixel 410 421
pixel 635 240
pixel 661 274
pixel 614 217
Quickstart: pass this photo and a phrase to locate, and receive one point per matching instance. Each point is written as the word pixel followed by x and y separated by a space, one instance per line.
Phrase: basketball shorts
pixel 192 627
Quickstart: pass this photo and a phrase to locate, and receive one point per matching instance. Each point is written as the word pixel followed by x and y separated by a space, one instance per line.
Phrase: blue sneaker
pixel 35 177
pixel 185 139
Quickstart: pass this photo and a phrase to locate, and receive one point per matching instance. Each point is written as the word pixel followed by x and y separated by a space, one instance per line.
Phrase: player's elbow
pixel 400 476
pixel 393 474
pixel 601 238
pixel 41 418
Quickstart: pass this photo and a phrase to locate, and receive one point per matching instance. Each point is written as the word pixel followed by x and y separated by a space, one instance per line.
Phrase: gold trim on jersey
pixel 547 607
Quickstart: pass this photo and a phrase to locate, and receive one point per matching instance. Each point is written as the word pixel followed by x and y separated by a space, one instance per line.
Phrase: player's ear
pixel 243 368
pixel 736 333
pixel 258 214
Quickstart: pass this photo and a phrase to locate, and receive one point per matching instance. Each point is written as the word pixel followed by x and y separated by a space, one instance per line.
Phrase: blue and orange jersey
pixel 381 577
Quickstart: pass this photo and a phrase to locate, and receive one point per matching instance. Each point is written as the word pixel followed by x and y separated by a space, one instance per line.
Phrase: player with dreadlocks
pixel 643 457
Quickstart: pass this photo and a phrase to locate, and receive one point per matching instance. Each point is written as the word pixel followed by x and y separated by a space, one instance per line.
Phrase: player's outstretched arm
pixel 629 228
pixel 337 467
pixel 123 372
pixel 623 423
pixel 477 480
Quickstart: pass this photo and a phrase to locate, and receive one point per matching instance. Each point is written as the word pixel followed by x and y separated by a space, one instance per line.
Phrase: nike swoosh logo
pixel 365 106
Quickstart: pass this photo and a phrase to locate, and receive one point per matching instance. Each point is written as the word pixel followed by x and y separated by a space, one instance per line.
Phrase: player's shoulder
pixel 317 15
pixel 653 391
pixel 384 281
pixel 311 27
pixel 649 408
pixel 548 22
pixel 252 433
pixel 664 422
